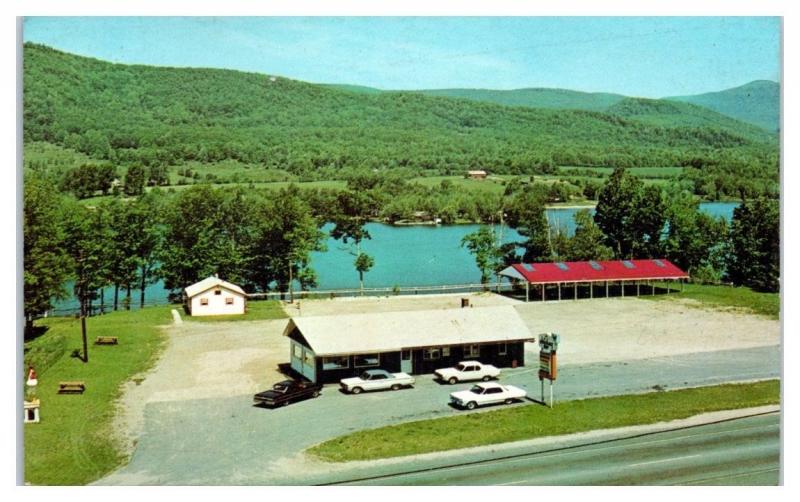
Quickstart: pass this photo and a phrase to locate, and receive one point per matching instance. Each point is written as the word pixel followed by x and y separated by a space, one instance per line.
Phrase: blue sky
pixel 645 56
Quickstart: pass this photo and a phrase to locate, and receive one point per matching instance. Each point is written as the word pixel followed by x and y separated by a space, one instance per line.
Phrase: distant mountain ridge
pixel 756 102
pixel 162 116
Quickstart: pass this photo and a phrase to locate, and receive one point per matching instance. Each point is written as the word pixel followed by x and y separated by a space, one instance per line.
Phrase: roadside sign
pixel 548 367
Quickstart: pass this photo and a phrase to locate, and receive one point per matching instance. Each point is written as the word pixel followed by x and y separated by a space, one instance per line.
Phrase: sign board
pixel 548 346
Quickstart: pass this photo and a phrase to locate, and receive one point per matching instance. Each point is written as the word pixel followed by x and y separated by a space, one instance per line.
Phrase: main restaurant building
pixel 326 349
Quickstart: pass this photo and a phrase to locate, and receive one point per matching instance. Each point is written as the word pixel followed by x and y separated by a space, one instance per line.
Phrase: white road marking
pixel 662 460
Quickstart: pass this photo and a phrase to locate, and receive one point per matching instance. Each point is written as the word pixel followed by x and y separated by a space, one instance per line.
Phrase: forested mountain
pixel 757 102
pixel 665 113
pixel 562 99
pixel 165 116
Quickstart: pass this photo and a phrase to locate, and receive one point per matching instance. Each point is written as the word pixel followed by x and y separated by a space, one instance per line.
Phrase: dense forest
pixel 153 116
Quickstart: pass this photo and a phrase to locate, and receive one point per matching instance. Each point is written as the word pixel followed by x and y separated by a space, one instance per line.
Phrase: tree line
pixel 632 221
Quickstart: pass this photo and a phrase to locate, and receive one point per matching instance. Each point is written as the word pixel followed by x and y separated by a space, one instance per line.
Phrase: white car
pixel 376 380
pixel 466 371
pixel 486 393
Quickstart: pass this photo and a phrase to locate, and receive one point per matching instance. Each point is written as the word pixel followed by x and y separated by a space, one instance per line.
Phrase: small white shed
pixel 213 296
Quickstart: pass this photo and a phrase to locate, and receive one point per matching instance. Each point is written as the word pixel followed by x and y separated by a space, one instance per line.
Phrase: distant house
pixel 477 175
pixel 213 296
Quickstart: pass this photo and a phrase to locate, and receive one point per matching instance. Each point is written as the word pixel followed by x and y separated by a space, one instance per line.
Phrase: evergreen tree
pixel 588 241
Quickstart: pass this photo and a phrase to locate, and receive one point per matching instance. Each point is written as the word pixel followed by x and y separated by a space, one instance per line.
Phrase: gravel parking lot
pixel 192 420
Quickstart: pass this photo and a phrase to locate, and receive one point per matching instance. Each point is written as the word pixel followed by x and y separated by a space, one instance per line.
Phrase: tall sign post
pixel 548 347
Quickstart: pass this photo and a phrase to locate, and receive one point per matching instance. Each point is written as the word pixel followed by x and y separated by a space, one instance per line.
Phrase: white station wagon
pixel 486 393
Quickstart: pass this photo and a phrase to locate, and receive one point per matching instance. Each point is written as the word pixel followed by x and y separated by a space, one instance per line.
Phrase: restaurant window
pixel 431 354
pixel 445 351
pixel 472 351
pixel 502 349
pixel 364 360
pixel 203 301
pixel 335 363
pixel 228 301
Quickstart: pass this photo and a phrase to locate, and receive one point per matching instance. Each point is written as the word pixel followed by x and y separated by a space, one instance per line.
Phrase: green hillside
pixel 561 99
pixel 757 102
pixel 169 116
pixel 665 113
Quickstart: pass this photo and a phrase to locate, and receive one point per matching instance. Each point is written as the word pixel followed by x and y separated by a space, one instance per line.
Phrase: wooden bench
pixel 106 340
pixel 71 387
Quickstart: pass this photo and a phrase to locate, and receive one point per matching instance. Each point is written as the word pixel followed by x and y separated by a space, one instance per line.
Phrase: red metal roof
pixel 589 271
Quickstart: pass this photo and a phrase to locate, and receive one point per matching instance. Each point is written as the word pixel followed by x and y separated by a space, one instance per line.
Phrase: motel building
pixel 213 296
pixel 326 349
pixel 589 279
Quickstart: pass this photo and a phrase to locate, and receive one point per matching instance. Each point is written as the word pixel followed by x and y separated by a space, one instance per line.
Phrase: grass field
pixel 728 297
pixel 74 444
pixel 532 421
pixel 256 311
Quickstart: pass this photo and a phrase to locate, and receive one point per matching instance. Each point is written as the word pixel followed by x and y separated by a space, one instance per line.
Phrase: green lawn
pixel 256 311
pixel 767 304
pixel 74 444
pixel 528 422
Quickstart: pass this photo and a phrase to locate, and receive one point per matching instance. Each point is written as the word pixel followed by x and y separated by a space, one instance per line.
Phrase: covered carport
pixel 538 276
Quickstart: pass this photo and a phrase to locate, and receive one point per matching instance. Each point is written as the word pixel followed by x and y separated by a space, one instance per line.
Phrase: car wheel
pixel 453 381
pixel 486 378
pixel 285 403
pixel 396 386
pixel 508 401
pixel 356 390
pixel 471 405
pixel 315 393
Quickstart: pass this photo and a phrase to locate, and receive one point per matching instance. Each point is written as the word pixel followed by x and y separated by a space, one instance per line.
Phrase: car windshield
pixel 476 389
pixel 460 367
pixel 365 376
pixel 279 387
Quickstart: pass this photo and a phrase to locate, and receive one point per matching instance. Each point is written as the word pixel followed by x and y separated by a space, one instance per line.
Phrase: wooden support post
pixel 638 283
pixel 622 287
pixel 591 290
pixel 606 289
pixel 575 290
pixel 527 289
pixel 559 291
pixel 544 287
pixel 652 288
pixel 669 286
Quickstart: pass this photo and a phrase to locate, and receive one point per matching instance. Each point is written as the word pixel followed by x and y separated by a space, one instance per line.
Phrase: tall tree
pixel 206 231
pixel 135 179
pixel 588 241
pixel 755 244
pixel 87 242
pixel 616 212
pixel 695 241
pixel 482 243
pixel 363 264
pixel 353 209
pixel 648 222
pixel 44 260
pixel 527 214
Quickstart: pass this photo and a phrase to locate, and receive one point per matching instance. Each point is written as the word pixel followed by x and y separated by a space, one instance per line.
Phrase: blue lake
pixel 422 255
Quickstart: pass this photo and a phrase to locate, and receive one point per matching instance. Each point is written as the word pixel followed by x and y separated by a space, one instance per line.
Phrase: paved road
pixel 743 451
pixel 228 441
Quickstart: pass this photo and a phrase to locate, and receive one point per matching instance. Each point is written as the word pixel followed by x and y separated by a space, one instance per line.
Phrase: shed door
pixel 407 361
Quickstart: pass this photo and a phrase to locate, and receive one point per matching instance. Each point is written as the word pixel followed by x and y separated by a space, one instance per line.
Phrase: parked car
pixel 376 380
pixel 486 393
pixel 288 391
pixel 466 371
